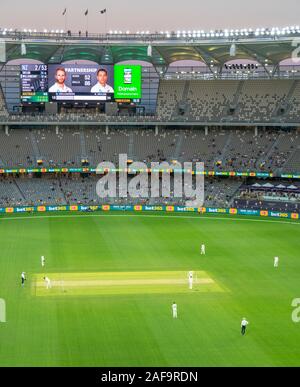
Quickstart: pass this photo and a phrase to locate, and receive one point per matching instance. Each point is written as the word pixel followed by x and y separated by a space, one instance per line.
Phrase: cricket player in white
pixel 102 86
pixel 43 261
pixel 202 249
pixel 174 309
pixel 23 278
pixel 276 261
pixel 244 324
pixel 190 279
pixel 48 282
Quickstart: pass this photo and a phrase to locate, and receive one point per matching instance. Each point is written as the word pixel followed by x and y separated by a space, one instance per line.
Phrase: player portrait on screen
pixel 60 78
pixel 102 86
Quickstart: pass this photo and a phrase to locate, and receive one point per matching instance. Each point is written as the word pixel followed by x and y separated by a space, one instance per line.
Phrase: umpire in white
pixel 244 324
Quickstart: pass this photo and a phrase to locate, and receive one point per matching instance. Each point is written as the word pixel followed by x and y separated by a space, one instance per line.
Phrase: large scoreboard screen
pixel 34 83
pixel 74 83
pixel 88 83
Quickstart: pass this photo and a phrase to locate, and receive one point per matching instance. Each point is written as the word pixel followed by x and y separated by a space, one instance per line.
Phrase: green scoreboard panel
pixel 128 82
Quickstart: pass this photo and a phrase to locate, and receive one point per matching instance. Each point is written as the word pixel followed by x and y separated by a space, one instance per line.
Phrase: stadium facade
pixel 236 107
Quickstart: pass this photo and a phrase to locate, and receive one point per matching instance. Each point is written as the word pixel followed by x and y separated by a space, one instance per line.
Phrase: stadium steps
pixel 233 193
pixel 183 100
pixel 178 147
pixel 131 146
pixel 288 103
pixel 82 145
pixel 238 94
pixel 293 161
pixel 20 190
pixel 3 107
pixel 186 90
pixel 267 155
pixel 37 153
pixel 223 154
pixel 64 191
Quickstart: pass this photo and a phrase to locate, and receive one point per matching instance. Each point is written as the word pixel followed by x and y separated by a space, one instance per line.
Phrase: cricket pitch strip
pixel 100 283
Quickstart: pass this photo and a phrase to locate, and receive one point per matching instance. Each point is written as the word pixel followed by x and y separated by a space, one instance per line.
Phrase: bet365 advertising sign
pixel 128 82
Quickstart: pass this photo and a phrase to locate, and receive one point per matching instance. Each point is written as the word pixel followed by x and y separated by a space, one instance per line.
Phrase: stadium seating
pixel 211 101
pixel 75 189
pixel 170 93
pixel 231 101
pixel 227 149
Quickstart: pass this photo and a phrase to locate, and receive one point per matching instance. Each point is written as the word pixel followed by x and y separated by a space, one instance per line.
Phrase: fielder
pixel 190 279
pixel 42 261
pixel 244 324
pixel 174 309
pixel 202 249
pixel 276 261
pixel 23 278
pixel 48 283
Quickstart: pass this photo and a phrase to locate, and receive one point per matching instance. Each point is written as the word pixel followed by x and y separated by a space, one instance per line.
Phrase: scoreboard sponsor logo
pixel 279 214
pixel 217 210
pixel 153 208
pixel 21 209
pixel 57 208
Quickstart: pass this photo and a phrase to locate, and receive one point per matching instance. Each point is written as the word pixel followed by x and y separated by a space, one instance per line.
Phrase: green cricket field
pixel 114 277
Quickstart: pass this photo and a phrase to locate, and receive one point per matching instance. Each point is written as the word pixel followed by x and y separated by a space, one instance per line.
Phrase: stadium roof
pixel 105 49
